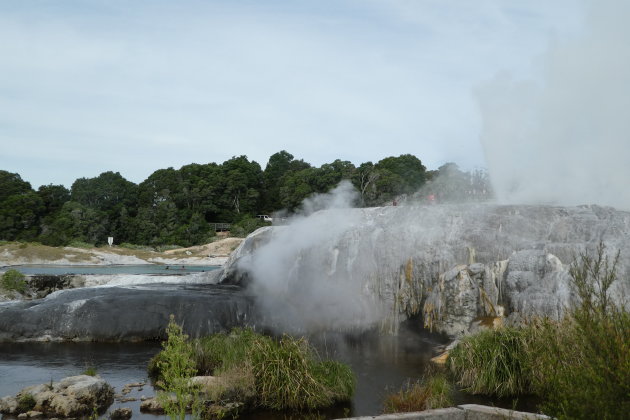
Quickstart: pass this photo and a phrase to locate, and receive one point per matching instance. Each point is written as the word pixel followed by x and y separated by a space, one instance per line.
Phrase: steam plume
pixel 307 294
pixel 566 139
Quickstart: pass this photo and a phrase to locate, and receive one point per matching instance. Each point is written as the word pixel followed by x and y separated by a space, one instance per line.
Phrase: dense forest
pixel 177 206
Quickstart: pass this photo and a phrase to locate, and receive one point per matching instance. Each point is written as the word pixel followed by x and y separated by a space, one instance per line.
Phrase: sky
pixel 96 85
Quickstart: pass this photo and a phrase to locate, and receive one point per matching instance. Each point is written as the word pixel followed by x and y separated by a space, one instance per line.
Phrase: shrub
pixel 80 244
pixel 13 280
pixel 433 392
pixel 127 245
pixel 492 362
pixel 246 226
pixel 585 359
pixel 177 367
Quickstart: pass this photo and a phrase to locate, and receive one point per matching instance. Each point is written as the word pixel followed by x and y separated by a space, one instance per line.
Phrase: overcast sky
pixel 136 86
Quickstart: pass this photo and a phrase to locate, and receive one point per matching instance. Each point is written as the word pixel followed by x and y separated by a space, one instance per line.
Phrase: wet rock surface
pixel 124 313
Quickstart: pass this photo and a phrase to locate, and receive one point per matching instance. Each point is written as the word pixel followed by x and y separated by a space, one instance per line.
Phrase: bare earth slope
pixel 215 253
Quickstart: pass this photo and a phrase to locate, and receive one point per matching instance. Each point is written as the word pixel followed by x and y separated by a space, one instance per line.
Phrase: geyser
pixel 564 138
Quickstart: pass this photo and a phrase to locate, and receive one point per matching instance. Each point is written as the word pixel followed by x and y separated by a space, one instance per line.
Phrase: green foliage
pixel 289 377
pixel 177 367
pixel 247 225
pixel 492 362
pixel 90 371
pixel 12 184
pixel 585 360
pixel 433 392
pixel 13 280
pixel 277 374
pixel 176 206
pixel 580 365
pixel 26 402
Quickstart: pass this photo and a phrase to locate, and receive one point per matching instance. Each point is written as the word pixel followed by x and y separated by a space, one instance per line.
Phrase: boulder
pixel 122 413
pixel 73 396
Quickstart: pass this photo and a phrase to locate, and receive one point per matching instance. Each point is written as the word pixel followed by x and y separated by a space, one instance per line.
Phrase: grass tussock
pixel 264 372
pixel 579 366
pixel 492 363
pixel 433 392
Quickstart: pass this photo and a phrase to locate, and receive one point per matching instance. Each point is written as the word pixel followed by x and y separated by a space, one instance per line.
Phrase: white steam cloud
pixel 310 294
pixel 566 140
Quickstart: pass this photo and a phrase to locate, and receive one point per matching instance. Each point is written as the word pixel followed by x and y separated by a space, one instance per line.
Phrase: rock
pixel 8 405
pixel 151 405
pixel 374 267
pixel 122 413
pixel 34 414
pixel 70 397
pixel 22 416
pixel 441 359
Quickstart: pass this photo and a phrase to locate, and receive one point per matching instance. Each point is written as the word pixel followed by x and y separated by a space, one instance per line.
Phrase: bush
pixel 13 280
pixel 177 367
pixel 433 392
pixel 492 362
pixel 585 360
pixel 135 247
pixel 80 244
pixel 246 226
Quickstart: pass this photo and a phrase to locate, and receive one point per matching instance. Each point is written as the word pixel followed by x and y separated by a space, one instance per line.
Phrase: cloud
pixel 358 81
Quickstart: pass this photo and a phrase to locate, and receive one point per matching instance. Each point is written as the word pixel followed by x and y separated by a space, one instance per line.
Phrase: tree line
pixel 177 206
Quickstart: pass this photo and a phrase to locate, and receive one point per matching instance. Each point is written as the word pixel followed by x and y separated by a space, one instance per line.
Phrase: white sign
pixel 110 240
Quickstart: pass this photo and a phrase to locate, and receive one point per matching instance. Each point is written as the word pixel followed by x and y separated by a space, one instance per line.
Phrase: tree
pixel 12 184
pixel 410 172
pixel 19 216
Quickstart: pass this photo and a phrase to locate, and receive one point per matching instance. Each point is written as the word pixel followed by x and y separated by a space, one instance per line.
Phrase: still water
pixel 380 363
pixel 112 269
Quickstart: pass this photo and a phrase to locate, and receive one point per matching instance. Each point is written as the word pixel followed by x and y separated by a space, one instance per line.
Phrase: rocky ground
pixel 215 253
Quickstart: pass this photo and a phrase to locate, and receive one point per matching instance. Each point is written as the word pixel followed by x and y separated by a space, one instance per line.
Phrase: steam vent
pixel 454 265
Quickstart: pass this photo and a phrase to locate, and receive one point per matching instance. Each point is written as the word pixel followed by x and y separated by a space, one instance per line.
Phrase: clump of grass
pixel 288 376
pixel 433 392
pixel 492 362
pixel 90 371
pixel 26 402
pixel 13 280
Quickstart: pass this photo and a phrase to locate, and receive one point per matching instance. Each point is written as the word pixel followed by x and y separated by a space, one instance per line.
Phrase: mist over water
pixel 565 139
